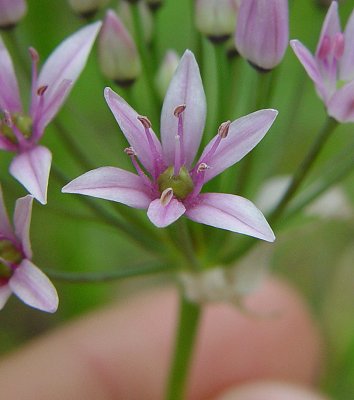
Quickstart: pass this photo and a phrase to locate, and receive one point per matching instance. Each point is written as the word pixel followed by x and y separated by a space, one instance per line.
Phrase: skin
pixel 123 352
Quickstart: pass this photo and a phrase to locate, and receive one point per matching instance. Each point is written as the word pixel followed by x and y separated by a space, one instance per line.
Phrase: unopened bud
pixel 216 19
pixel 11 12
pixel 118 57
pixel 125 13
pixel 87 8
pixel 165 72
pixel 262 32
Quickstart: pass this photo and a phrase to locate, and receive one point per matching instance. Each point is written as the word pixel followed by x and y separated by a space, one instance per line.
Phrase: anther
pixel 7 119
pixel 202 167
pixel 179 110
pixel 166 196
pixel 41 90
pixel 223 130
pixel 145 121
pixel 130 151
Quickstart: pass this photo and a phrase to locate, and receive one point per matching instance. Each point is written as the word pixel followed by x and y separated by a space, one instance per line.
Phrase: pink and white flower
pixel 18 274
pixel 167 184
pixel 20 132
pixel 332 66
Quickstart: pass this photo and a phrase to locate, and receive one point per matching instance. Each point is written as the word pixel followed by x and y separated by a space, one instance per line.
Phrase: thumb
pixel 270 390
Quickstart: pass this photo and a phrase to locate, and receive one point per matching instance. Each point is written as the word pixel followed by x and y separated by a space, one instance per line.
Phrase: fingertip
pixel 270 390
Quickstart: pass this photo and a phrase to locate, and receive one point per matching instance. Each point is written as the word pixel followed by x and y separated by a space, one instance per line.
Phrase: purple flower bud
pixel 118 56
pixel 125 13
pixel 262 32
pixel 216 19
pixel 165 72
pixel 87 8
pixel 11 12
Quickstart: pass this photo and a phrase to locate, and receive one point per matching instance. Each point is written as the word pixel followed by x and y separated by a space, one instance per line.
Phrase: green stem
pixel 247 166
pixel 298 177
pixel 221 78
pixel 321 187
pixel 189 314
pixel 147 65
pixel 71 146
pixel 108 276
pixel 304 168
pixel 145 241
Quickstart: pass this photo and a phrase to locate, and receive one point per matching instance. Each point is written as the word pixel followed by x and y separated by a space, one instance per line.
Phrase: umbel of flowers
pixel 167 181
pixel 21 131
pixel 332 66
pixel 18 274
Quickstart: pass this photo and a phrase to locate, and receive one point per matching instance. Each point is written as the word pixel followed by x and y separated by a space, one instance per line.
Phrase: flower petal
pixel 9 94
pixel 112 183
pixel 331 25
pixel 244 134
pixel 230 212
pixel 341 104
pixel 33 287
pixel 66 63
pixel 164 215
pixel 22 221
pixel 309 63
pixel 347 60
pixel 5 227
pixel 185 88
pixel 50 108
pixel 31 168
pixel 133 129
pixel 5 293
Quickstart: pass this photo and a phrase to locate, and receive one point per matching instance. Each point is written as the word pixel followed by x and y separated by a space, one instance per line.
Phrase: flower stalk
pixel 189 315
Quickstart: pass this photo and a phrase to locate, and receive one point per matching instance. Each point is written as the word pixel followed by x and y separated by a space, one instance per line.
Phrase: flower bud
pixel 166 71
pixel 87 8
pixel 125 14
pixel 11 12
pixel 118 56
pixel 262 32
pixel 216 19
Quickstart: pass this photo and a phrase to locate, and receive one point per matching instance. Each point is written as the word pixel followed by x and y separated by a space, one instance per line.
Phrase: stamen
pixel 223 131
pixel 179 146
pixel 166 196
pixel 202 167
pixel 35 58
pixel 156 156
pixel 40 104
pixel 133 155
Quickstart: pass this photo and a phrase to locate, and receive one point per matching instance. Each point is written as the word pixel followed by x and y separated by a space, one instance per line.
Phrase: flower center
pixel 9 255
pixel 181 184
pixel 11 125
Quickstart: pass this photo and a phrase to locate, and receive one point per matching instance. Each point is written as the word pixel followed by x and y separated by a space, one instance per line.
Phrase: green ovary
pixel 9 253
pixel 23 123
pixel 181 184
